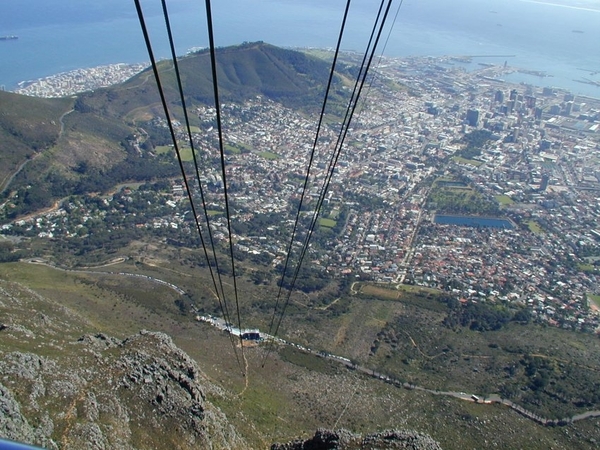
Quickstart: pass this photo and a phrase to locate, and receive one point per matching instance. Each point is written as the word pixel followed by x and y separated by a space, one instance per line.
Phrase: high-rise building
pixel 510 106
pixel 530 101
pixel 555 110
pixel 544 182
pixel 569 108
pixel 516 134
pixel 499 97
pixel 537 113
pixel 473 117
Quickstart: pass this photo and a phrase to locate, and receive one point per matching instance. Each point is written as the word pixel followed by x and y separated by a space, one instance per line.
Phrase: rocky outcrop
pixel 345 440
pixel 63 388
pixel 14 426
pixel 142 392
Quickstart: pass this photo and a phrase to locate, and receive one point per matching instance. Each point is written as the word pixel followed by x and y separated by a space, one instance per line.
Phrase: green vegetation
pixel 475 141
pixel 8 252
pixel 504 200
pixel 405 338
pixel 460 200
pixel 471 162
pixel 587 268
pixel 486 348
pixel 230 149
pixel 328 223
pixel 595 299
pixel 425 298
pixel 534 227
pixel 498 362
pixel 269 155
pixel 186 154
pixel 19 141
pixel 307 360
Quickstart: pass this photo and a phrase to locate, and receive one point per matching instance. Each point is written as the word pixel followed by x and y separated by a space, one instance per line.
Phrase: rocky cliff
pixel 345 440
pixel 97 392
pixel 65 386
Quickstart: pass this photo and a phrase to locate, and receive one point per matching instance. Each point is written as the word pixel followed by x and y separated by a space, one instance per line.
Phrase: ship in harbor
pixel 8 38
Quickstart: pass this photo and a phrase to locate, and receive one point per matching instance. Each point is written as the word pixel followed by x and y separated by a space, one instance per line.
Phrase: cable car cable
pixel 195 159
pixel 213 63
pixel 335 159
pixel 172 131
pixel 312 154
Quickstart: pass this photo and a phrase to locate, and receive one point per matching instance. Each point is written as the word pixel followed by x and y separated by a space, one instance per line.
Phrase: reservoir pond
pixel 474 221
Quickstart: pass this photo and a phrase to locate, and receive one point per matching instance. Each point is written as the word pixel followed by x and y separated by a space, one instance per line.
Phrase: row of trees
pixel 483 316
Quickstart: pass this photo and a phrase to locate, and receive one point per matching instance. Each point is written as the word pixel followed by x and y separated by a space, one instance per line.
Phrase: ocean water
pixel 61 35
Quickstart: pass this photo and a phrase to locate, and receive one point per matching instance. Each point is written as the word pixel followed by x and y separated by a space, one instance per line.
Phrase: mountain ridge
pixel 91 142
pixel 244 71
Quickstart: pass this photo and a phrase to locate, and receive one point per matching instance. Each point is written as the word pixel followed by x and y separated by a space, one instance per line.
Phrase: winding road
pixel 474 398
pixel 9 179
pixel 110 263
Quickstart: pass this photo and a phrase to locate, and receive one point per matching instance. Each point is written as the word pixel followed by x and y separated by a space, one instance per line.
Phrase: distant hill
pixel 96 148
pixel 245 71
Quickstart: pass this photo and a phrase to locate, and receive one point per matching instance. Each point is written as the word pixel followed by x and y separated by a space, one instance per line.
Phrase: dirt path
pixel 9 179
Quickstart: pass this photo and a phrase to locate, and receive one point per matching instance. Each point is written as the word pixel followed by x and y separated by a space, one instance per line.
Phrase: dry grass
pixel 296 393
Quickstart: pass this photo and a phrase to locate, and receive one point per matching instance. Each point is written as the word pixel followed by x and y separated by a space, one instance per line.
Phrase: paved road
pixel 476 398
pixel 110 263
pixel 4 185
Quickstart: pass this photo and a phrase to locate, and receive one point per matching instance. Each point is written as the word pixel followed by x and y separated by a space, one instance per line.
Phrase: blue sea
pixel 60 35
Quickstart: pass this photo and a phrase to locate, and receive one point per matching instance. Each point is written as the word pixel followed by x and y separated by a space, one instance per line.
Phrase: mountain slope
pixel 27 126
pixel 287 76
pixel 345 440
pixel 93 391
pixel 90 142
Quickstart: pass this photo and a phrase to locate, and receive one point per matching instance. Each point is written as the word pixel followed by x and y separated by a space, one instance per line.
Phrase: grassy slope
pixel 294 393
pixel 45 312
pixel 244 72
pixel 414 345
pixel 27 125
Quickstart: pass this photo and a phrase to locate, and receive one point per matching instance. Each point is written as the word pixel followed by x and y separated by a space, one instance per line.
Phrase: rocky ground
pixel 97 392
pixel 64 386
pixel 345 440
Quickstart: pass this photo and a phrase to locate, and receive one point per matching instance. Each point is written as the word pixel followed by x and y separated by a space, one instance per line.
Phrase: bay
pixel 61 35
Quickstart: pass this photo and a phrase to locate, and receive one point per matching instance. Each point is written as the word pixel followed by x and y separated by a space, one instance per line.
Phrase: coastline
pixel 69 39
pixel 73 82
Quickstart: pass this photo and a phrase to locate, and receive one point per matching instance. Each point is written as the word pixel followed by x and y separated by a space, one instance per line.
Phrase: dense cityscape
pixel 80 80
pixel 448 148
